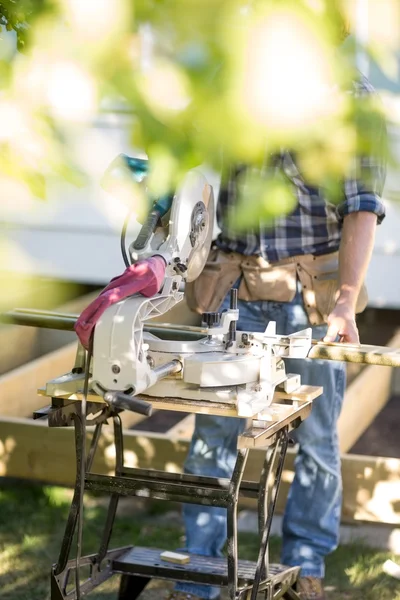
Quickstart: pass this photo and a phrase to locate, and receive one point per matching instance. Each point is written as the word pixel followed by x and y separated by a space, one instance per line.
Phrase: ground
pixel 32 520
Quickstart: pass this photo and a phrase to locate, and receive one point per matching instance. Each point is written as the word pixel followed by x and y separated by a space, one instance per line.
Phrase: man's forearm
pixel 355 252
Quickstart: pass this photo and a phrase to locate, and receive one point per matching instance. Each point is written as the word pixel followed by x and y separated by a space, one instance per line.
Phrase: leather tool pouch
pixel 276 282
pixel 319 281
pixel 207 292
pixel 263 281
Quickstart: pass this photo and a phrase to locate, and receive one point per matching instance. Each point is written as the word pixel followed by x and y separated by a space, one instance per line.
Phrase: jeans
pixel 312 515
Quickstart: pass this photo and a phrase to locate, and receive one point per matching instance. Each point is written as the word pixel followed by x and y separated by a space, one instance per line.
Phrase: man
pixel 306 245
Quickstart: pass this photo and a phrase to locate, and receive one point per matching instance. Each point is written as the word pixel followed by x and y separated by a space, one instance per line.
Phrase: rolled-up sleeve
pixel 363 188
pixel 363 192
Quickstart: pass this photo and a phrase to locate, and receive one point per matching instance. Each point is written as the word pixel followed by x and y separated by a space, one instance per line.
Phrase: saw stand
pixel 138 565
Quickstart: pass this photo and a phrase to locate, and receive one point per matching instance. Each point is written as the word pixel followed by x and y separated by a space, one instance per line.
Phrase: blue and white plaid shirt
pixel 314 227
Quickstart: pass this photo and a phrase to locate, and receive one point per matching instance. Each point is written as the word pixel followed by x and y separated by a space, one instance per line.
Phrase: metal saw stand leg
pixel 281 581
pixel 98 565
pixel 271 582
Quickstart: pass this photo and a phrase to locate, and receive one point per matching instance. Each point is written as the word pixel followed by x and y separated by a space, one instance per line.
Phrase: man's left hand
pixel 342 324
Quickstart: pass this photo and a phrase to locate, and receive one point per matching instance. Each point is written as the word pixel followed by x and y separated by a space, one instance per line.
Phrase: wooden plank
pixel 371 487
pixel 180 313
pixel 18 388
pixel 364 399
pixel 365 354
pixel 32 450
pixel 19 344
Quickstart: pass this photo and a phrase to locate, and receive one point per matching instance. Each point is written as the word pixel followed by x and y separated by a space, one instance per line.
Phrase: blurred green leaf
pixel 202 78
pixel 269 196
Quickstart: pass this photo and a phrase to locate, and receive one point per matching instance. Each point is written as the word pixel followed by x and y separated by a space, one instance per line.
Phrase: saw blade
pixel 191 223
pixel 202 234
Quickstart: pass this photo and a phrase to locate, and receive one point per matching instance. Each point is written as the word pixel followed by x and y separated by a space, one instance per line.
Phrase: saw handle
pixel 147 230
pixel 126 402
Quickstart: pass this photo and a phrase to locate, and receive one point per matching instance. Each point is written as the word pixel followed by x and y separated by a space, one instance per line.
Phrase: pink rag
pixel 145 277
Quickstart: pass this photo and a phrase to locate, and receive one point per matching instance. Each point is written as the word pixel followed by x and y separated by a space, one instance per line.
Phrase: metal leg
pixel 61 584
pixel 131 587
pixel 113 505
pixel 263 500
pixel 93 446
pixel 283 442
pixel 73 513
pixel 62 572
pixel 234 486
pixel 74 510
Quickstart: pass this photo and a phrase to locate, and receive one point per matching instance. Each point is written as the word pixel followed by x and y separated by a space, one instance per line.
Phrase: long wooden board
pixel 371 484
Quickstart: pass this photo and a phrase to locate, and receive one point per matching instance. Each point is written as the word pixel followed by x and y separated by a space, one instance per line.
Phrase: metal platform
pixel 147 562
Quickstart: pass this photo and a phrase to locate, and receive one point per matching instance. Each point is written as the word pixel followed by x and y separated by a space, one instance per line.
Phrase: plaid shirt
pixel 314 227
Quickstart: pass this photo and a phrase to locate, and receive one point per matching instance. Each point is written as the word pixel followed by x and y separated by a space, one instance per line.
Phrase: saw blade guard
pixel 191 223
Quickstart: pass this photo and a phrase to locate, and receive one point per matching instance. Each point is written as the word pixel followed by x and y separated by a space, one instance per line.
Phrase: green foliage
pixel 267 195
pixel 220 82
pixel 19 15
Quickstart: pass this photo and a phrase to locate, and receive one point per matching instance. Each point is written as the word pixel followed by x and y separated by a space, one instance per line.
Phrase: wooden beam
pixel 32 450
pixel 18 388
pixel 180 313
pixel 19 345
pixel 365 397
pixel 371 487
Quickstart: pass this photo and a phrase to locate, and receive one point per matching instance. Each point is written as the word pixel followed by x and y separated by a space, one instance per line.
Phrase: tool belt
pixel 277 282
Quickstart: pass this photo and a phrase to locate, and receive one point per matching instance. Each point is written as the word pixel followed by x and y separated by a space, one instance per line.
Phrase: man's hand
pixel 342 323
pixel 354 255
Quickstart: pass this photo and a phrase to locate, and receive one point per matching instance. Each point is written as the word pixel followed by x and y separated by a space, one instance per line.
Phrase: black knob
pixel 211 319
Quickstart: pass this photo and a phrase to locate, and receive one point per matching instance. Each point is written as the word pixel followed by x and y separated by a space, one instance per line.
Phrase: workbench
pixel 138 565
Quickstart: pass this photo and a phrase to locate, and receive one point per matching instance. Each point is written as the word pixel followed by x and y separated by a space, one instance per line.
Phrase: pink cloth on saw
pixel 145 277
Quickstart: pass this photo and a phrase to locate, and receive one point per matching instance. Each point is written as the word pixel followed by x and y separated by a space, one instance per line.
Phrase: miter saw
pixel 224 366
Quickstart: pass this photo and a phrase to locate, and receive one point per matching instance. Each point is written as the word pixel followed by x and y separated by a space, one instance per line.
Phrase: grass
pixel 32 520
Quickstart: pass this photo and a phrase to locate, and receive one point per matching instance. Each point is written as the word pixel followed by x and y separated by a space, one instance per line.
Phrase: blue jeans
pixel 312 515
